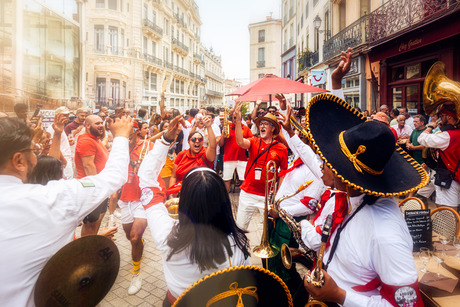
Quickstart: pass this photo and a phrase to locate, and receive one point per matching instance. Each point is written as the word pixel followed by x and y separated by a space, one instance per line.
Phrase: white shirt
pixel 406 131
pixel 66 152
pixel 180 272
pixel 375 243
pixel 186 131
pixel 410 122
pixel 435 140
pixel 38 220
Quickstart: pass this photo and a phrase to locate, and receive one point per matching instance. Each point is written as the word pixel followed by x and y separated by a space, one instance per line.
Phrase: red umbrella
pixel 271 84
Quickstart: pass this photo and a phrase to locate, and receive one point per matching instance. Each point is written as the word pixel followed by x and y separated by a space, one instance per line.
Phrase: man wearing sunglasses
pixel 261 150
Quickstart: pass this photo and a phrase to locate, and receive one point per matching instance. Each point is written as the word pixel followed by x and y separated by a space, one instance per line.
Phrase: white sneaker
pixel 117 214
pixel 136 284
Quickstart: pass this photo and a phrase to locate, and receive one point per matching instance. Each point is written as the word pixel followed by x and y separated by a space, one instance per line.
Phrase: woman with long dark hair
pixel 47 168
pixel 205 238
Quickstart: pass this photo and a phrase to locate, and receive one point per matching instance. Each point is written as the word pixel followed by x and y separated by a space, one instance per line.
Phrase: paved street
pixel 154 286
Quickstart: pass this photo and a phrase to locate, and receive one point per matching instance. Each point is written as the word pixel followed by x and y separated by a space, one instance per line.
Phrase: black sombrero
pixel 363 154
pixel 249 285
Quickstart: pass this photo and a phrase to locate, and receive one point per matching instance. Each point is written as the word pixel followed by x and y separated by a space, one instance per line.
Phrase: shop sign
pixel 409 45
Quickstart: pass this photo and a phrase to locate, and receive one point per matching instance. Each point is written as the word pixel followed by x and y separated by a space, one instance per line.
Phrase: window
pixel 99 39
pixel 154 17
pixel 145 45
pixel 122 38
pixel 261 54
pixel 154 48
pixel 182 84
pixel 306 9
pixel 153 82
pixel 113 39
pixel 261 75
pixel 146 81
pixel 115 84
pixel 100 4
pixel 100 91
pixel 261 36
pixel 171 86
pixel 146 13
pixel 113 4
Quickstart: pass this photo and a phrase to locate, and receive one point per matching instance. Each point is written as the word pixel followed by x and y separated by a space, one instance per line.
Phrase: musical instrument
pixel 439 90
pixel 226 124
pixel 289 255
pixel 265 250
pixel 79 274
pixel 173 207
pixel 144 150
pixel 299 127
pixel 317 277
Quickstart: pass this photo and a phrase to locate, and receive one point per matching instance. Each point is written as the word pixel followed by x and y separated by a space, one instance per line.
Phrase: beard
pixel 95 132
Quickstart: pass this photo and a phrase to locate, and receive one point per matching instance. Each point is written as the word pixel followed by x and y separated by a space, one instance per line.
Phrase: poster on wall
pixel 318 77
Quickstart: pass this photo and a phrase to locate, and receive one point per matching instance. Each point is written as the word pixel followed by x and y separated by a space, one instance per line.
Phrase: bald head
pixel 91 119
pixel 94 125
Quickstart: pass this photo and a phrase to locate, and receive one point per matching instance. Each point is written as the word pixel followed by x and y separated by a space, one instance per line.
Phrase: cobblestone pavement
pixel 153 285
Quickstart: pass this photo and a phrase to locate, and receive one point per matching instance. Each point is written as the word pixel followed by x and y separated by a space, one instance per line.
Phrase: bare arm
pixel 240 140
pixel 89 166
pixel 211 150
pixel 256 108
pixel 58 127
pixel 220 140
pixel 162 105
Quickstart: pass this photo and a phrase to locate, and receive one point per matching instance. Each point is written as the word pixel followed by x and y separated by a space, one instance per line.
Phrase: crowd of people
pixel 78 169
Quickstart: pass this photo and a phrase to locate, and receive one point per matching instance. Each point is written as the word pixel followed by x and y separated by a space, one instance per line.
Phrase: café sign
pixel 409 45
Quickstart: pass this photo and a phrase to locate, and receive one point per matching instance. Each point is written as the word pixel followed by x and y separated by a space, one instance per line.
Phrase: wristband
pixel 429 126
pixel 166 141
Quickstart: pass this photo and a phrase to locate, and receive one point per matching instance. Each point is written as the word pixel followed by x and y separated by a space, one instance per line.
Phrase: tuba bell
pixel 264 249
pixel 439 90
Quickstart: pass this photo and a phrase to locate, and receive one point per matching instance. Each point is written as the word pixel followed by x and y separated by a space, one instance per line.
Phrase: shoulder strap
pixel 258 156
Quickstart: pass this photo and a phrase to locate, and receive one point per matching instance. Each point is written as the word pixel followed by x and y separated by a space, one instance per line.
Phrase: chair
pixel 411 203
pixel 446 222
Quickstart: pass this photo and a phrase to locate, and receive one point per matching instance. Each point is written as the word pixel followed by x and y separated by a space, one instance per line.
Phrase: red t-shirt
pixel 233 152
pixel 89 145
pixel 131 190
pixel 185 162
pixel 277 152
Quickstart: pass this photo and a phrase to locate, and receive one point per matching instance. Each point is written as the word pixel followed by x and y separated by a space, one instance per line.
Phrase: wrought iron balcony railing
pixel 179 44
pixel 116 51
pixel 396 15
pixel 168 65
pixel 209 92
pixel 260 64
pixel 315 58
pixel 304 62
pixel 153 59
pixel 352 36
pixel 214 76
pixel 180 20
pixel 181 70
pixel 199 57
pixel 153 26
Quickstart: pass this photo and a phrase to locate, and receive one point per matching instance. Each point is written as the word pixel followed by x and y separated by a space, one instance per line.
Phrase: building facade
pixel 289 39
pixel 40 53
pixel 214 89
pixel 137 49
pixel 265 48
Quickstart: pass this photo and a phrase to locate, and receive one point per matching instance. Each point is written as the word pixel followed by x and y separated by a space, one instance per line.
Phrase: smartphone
pixel 37 110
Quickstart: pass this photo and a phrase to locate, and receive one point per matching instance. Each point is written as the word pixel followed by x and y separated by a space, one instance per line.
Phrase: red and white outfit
pixel 185 161
pixel 234 155
pixel 449 144
pixel 180 272
pixel 252 195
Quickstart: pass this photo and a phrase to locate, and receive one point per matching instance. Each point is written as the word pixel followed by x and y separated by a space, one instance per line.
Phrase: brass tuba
pixel 265 250
pixel 317 277
pixel 439 90
pixel 289 255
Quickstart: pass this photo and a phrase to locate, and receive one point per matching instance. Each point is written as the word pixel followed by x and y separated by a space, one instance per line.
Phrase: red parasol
pixel 271 84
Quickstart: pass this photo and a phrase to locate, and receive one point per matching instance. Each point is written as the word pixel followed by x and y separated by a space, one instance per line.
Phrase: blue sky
pixel 225 29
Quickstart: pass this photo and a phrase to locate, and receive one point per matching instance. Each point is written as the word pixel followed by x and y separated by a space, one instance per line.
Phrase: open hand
pixel 237 112
pixel 282 101
pixel 341 70
pixel 120 126
pixel 59 122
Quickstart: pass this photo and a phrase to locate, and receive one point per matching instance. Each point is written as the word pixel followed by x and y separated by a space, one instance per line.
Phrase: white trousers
pixel 248 203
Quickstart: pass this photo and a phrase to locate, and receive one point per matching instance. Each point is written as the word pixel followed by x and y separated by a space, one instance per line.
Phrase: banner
pixel 318 77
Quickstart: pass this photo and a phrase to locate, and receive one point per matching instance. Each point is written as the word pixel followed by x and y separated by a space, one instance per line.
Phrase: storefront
pixel 406 59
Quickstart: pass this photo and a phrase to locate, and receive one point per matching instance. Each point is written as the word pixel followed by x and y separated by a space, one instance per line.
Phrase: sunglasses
pixel 272 111
pixel 194 139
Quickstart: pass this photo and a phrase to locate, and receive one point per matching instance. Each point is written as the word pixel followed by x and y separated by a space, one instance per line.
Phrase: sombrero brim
pixel 268 119
pixel 327 116
pixel 259 286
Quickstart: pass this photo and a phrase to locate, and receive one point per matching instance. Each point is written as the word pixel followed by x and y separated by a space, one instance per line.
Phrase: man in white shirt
pixel 409 119
pixel 38 220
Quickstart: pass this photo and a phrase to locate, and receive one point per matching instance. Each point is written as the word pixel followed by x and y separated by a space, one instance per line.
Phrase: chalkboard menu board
pixel 419 224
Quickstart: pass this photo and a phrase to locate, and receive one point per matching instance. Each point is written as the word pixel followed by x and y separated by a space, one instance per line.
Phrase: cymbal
pixel 79 274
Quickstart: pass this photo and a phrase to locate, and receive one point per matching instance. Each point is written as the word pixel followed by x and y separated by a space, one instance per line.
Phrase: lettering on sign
pixel 409 45
pixel 419 224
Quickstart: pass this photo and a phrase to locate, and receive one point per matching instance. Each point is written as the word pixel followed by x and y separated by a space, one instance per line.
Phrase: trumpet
pixel 144 150
pixel 264 249
pixel 316 276
pixel 289 255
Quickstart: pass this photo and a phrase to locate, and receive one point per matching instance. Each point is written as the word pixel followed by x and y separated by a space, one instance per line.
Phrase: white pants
pixel 248 203
pixel 448 197
pixel 131 210
pixel 229 168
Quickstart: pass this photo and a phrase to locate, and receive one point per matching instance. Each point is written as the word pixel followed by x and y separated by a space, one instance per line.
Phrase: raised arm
pixel 256 108
pixel 212 143
pixel 240 140
pixel 58 127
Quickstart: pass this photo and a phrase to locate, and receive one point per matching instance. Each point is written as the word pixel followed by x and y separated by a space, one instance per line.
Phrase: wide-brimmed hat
pixel 251 285
pixel 362 153
pixel 269 117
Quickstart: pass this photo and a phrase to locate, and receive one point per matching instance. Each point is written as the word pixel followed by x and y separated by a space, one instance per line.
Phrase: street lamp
pixel 317 25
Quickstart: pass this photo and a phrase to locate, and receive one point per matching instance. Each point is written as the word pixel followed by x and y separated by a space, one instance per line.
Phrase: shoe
pixel 117 214
pixel 136 284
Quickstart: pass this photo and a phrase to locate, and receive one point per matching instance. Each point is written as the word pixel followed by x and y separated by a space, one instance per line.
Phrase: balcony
pixel 169 65
pixel 304 61
pixel 149 24
pixel 116 51
pixel 152 59
pixel 214 76
pixel 315 58
pixel 291 42
pixel 180 20
pixel 396 16
pixel 214 93
pixel 352 36
pixel 260 64
pixel 199 57
pixel 180 70
pixel 180 46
